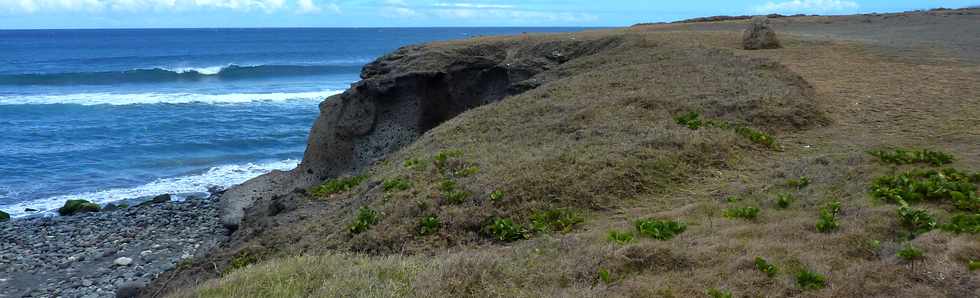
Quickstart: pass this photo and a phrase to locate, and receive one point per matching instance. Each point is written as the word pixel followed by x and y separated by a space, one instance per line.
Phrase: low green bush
pixel 973 265
pixel 828 218
pixel 716 293
pixel 963 223
pixel 504 229
pixel 916 221
pixel 467 171
pixel 366 217
pixel 769 269
pixel 413 164
pixel 749 213
pixel 338 185
pixel 496 196
pixel 757 137
pixel 73 207
pixel 691 119
pixel 918 185
pixel 800 183
pixel 659 229
pixel 783 200
pixel 910 253
pixel 242 260
pixel 809 280
pixel 604 276
pixel 429 225
pixel 619 237
pixel 441 159
pixel 396 185
pixel 555 220
pixel 903 156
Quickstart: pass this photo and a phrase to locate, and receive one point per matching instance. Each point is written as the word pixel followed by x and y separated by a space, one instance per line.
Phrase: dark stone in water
pixel 73 207
pixel 30 210
pixel 157 200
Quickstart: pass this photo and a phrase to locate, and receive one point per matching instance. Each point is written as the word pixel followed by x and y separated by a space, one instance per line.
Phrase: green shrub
pixel 973 265
pixel 809 280
pixel 467 171
pixel 691 119
pixel 503 229
pixel 749 213
pixel 800 183
pixel 716 293
pixel 396 185
pixel 414 164
pixel 757 137
pixel 917 221
pixel 4 216
pixel 366 217
pixel 441 160
pixel 555 220
pixel 732 199
pixel 659 229
pixel 496 195
pixel 918 185
pixel 828 218
pixel 242 260
pixel 783 200
pixel 338 185
pixel 963 223
pixel 604 276
pixel 904 157
pixel 429 225
pixel 910 254
pixel 769 269
pixel 457 196
pixel 620 238
pixel 73 207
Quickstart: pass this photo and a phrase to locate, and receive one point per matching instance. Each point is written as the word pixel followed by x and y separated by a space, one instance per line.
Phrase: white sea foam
pixel 223 176
pixel 211 70
pixel 157 98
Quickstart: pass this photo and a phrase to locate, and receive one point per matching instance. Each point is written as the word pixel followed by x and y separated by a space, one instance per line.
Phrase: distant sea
pixel 110 115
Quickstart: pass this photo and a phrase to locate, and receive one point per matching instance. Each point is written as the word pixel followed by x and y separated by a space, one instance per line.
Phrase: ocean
pixel 113 115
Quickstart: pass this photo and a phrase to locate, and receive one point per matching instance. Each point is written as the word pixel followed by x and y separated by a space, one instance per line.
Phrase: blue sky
pixel 16 14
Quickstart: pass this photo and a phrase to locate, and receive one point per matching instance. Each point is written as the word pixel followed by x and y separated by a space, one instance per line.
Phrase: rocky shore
pixel 104 254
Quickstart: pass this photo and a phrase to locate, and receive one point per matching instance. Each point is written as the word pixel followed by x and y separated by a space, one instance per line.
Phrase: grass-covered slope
pixel 599 183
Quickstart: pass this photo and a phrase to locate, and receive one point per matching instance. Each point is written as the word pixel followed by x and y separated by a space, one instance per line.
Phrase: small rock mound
pixel 759 35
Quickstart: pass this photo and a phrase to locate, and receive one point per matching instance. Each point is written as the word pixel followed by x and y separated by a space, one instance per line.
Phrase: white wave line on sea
pixel 223 176
pixel 89 99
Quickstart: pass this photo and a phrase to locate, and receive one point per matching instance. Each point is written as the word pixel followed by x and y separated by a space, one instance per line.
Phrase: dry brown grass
pixel 602 141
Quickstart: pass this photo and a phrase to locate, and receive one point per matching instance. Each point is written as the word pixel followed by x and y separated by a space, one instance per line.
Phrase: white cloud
pixel 399 9
pixel 807 6
pixel 473 11
pixel 43 6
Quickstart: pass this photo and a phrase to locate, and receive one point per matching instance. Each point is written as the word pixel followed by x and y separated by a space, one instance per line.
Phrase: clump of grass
pixel 783 200
pixel 555 220
pixel 809 280
pixel 732 199
pixel 757 137
pixel 917 221
pixel 800 183
pixel 504 229
pixel 467 171
pixel 338 185
pixel 429 225
pixel 659 229
pixel 910 254
pixel 496 196
pixel 242 260
pixel 828 218
pixel 716 293
pixel 441 159
pixel 396 185
pixel 366 217
pixel 973 265
pixel 918 185
pixel 604 276
pixel 451 193
pixel 691 119
pixel 903 156
pixel 769 269
pixel 963 223
pixel 414 164
pixel 619 237
pixel 749 213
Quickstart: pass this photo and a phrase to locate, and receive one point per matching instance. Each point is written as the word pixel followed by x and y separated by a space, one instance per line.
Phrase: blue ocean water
pixel 109 115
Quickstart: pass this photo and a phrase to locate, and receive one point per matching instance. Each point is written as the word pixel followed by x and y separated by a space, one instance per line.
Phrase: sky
pixel 34 14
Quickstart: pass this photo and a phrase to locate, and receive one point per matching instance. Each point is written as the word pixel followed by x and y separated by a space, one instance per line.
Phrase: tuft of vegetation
pixel 604 276
pixel 800 183
pixel 504 229
pixel 919 185
pixel 451 193
pixel 732 199
pixel 366 217
pixel 659 229
pixel 429 225
pixel 338 185
pixel 396 185
pixel 496 196
pixel 963 223
pixel 769 269
pixel 242 260
pixel 749 213
pixel 619 237
pixel 691 119
pixel 910 253
pixel 917 221
pixel 809 280
pixel 555 220
pixel 73 207
pixel 757 137
pixel 441 159
pixel 828 218
pixel 783 200
pixel 467 171
pixel 905 156
pixel 414 164
pixel 716 293
pixel 973 265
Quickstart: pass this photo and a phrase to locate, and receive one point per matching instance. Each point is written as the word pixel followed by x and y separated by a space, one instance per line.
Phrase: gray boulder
pixel 130 289
pixel 759 35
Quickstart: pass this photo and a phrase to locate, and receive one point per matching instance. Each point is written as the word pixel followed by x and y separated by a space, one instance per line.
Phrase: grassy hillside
pixel 671 165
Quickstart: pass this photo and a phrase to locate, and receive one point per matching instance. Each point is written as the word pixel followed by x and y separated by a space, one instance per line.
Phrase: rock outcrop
pixel 760 35
pixel 401 96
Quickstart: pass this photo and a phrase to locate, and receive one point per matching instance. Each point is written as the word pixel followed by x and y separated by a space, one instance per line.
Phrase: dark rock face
pixel 401 96
pixel 759 35
pixel 4 216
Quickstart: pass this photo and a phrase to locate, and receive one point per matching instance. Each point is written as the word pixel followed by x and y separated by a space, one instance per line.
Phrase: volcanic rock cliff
pixel 404 94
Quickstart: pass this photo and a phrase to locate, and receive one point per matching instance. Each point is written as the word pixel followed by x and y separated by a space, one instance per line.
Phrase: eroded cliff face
pixel 404 94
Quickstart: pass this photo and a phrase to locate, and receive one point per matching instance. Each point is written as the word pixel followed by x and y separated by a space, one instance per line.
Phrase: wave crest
pixel 162 75
pixel 89 99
